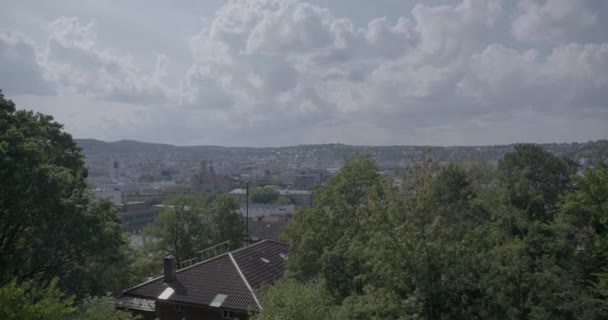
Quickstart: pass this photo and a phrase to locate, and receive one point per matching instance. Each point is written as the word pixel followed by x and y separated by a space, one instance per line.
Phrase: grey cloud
pixel 552 21
pixel 20 71
pixel 290 27
pixel 570 78
pixel 435 68
pixel 72 63
pixel 270 72
pixel 74 60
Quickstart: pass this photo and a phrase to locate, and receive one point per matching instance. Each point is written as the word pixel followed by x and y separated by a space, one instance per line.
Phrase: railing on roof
pixel 207 253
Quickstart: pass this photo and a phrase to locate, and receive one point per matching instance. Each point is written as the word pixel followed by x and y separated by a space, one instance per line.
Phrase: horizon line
pixel 339 143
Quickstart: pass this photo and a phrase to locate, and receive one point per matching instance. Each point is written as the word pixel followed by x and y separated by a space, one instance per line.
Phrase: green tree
pixel 534 179
pixel 228 223
pixel 28 301
pixel 327 240
pixel 528 262
pixel 583 220
pixel 283 200
pixel 143 262
pixel 375 304
pixel 424 241
pixel 48 227
pixel 263 195
pixel 526 241
pixel 190 223
pixel 289 299
pixel 182 228
pixel 100 308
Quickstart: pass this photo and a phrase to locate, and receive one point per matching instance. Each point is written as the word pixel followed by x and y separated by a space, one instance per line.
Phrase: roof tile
pixel 202 282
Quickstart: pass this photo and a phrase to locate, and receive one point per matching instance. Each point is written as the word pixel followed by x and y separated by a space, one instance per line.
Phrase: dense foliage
pixel 49 228
pixel 526 240
pixel 267 195
pixel 56 245
pixel 27 301
pixel 190 223
pixel 263 195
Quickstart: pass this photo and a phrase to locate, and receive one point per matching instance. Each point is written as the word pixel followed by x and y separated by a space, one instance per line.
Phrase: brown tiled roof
pixel 266 229
pixel 257 271
pixel 235 274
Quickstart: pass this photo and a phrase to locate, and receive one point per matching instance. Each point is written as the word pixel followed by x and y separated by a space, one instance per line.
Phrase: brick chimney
pixel 169 267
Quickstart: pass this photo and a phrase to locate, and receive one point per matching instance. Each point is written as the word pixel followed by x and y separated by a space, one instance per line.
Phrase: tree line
pixel 525 240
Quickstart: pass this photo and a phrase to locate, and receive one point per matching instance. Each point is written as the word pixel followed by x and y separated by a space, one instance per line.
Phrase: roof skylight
pixel 166 294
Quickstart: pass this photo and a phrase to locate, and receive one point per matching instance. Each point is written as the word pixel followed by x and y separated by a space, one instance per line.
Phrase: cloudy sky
pixel 283 72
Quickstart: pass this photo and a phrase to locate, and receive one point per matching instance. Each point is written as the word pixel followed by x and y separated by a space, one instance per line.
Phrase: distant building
pixel 308 178
pixel 207 180
pixel 168 174
pixel 267 211
pixel 115 170
pixel 224 287
pixel 114 196
pixel 238 192
pixel 299 197
pixel 136 215
pixel 153 197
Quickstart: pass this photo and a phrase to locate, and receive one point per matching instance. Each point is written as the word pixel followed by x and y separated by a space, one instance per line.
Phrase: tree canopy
pixel 526 240
pixel 189 223
pixel 48 225
pixel 263 195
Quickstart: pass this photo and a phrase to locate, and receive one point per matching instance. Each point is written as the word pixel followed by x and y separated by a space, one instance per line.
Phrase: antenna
pixel 247 213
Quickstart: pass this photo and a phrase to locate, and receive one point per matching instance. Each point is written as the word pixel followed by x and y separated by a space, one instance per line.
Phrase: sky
pixel 286 72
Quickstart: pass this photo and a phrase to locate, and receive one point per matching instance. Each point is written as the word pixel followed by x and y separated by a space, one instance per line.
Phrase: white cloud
pixel 571 78
pixel 267 72
pixel 75 62
pixel 553 21
pixel 71 62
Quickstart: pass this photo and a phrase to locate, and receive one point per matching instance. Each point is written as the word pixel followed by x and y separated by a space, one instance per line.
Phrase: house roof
pixel 270 229
pixel 236 274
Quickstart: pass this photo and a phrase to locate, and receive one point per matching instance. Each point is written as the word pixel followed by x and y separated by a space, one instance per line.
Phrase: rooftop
pixel 259 209
pixel 237 275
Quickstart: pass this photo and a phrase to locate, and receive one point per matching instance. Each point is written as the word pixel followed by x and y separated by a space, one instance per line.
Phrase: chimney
pixel 169 263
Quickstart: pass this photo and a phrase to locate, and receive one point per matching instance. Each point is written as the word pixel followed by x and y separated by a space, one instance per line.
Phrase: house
pixel 223 287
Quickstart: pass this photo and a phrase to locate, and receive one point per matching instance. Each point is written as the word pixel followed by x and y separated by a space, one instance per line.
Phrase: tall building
pixel 115 170
pixel 207 180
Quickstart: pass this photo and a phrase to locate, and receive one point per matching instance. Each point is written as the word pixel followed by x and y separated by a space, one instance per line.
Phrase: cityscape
pixel 304 160
pixel 138 177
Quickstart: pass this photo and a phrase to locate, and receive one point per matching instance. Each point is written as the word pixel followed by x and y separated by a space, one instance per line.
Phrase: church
pixel 207 180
